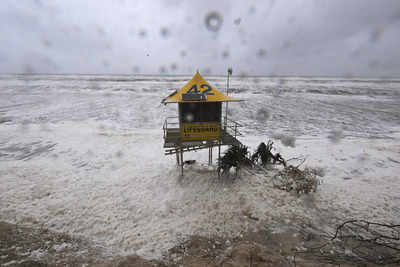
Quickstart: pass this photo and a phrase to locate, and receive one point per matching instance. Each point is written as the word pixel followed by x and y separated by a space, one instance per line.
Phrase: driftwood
pixel 292 178
pixel 360 243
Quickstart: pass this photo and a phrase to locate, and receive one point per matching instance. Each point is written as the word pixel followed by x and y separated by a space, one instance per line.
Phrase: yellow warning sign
pixel 200 131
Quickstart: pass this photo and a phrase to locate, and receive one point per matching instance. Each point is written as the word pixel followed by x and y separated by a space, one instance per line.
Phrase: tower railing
pixel 171 122
pixel 232 127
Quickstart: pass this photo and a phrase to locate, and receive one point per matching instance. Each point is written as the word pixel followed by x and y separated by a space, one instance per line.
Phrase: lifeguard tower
pixel 199 123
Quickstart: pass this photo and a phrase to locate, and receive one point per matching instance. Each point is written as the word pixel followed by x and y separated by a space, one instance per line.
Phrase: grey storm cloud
pixel 295 37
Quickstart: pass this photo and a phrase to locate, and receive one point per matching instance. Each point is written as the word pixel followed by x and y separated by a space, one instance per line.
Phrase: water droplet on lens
pixel 163 69
pixel 376 35
pixel 164 32
pixel 237 21
pixel 213 21
pixel 135 69
pixel 27 68
pixel 252 10
pixel 225 54
pixel 174 66
pixel 142 33
pixel 207 70
pixel 262 52
pixel 46 43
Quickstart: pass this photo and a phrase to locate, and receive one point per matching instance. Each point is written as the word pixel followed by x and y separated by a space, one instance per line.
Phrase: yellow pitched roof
pixel 198 86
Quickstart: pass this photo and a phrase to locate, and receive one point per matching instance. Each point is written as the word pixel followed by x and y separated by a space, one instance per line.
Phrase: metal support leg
pixel 211 150
pixel 219 151
pixel 219 156
pixel 177 157
pixel 181 162
pixel 210 156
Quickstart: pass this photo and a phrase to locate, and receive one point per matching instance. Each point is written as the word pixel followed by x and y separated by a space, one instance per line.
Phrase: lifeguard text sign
pixel 200 131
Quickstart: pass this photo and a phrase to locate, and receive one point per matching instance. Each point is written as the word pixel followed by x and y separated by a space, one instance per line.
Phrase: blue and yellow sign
pixel 200 131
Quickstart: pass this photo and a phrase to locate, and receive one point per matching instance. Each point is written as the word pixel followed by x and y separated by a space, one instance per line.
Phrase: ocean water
pixel 297 106
pixel 82 154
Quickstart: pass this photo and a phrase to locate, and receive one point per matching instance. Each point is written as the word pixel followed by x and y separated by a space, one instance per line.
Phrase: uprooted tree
pixel 264 154
pixel 235 156
pixel 238 156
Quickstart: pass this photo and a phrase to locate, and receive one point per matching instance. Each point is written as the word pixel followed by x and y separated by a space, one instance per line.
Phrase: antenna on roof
pixel 227 92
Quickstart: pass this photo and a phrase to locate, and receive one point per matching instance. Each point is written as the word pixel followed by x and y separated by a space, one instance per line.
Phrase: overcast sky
pixel 293 37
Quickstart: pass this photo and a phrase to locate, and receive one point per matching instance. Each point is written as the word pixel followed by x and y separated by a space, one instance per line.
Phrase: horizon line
pixel 212 75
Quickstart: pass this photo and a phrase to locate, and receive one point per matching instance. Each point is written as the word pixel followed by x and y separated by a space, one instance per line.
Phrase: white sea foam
pixel 83 155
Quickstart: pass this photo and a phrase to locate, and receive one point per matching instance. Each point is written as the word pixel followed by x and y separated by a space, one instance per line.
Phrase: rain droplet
pixel 108 46
pixel 106 63
pixel 25 124
pixel 376 35
pixel 237 21
pixel 262 115
pixel 207 70
pixel 163 69
pixel 46 43
pixel 262 52
pixel 174 66
pixel 135 69
pixel 282 81
pixel 27 68
pixel 243 74
pixel 291 19
pixel 164 32
pixel 142 33
pixel 38 3
pixel 335 136
pixel 100 30
pixel 189 117
pixel 286 140
pixel 348 75
pixel 287 44
pixel 213 21
pixel 373 64
pixel 252 10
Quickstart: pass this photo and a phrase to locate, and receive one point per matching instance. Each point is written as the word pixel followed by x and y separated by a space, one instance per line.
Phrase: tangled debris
pixel 292 178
